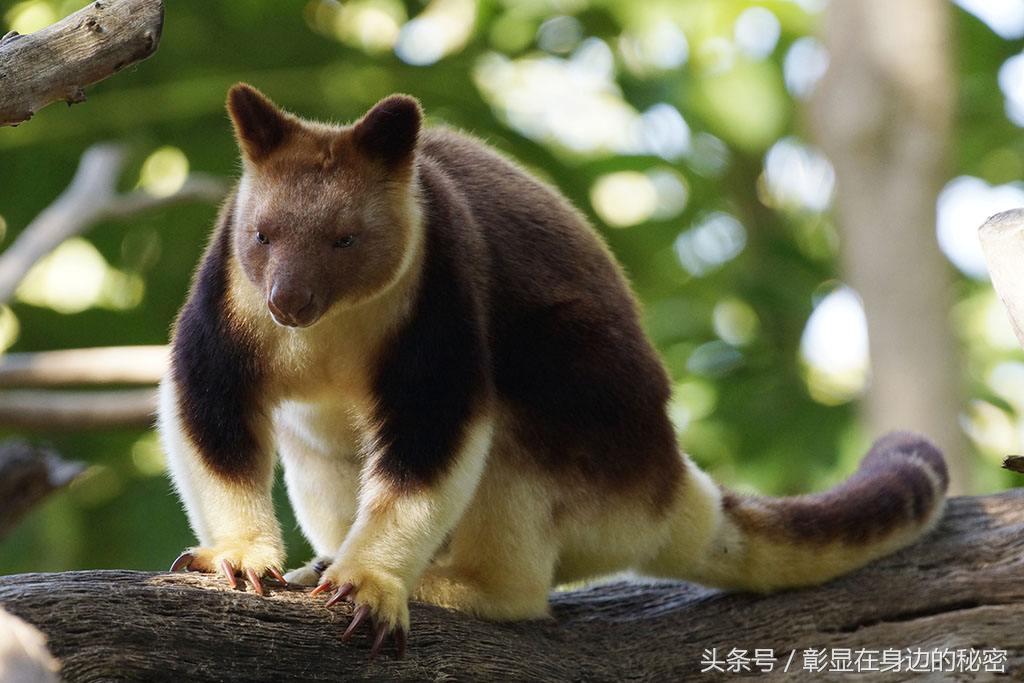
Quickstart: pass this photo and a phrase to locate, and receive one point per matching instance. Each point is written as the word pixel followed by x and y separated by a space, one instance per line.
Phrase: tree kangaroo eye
pixel 261 238
pixel 345 242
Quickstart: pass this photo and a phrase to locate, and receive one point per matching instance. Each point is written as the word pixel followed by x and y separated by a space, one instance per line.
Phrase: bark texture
pixel 59 61
pixel 883 113
pixel 959 588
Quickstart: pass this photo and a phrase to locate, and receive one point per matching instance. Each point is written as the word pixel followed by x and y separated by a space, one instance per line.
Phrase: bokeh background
pixel 725 149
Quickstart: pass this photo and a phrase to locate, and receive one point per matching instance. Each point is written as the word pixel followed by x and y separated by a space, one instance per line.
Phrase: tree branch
pixel 1014 463
pixel 49 409
pixel 103 365
pixel 57 62
pixel 45 410
pixel 198 187
pixel 90 198
pixel 959 588
pixel 27 475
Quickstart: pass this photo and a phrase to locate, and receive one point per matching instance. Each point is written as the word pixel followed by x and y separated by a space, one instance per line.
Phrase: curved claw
pixel 323 587
pixel 254 579
pixel 183 562
pixel 343 592
pixel 357 618
pixel 378 640
pixel 278 576
pixel 229 573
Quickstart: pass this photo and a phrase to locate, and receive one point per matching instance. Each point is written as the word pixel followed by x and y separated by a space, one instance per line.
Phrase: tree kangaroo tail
pixel 763 544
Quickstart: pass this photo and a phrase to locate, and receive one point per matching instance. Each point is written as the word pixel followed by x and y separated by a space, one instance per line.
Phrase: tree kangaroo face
pixel 324 216
pixel 312 241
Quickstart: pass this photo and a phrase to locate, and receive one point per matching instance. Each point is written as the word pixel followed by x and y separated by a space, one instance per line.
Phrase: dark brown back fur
pixel 569 355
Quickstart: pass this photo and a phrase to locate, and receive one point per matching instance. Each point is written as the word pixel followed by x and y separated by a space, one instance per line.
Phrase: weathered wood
pixel 59 61
pixel 959 588
pixel 27 475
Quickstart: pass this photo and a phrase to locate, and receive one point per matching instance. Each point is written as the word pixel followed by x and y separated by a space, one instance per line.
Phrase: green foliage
pixel 729 331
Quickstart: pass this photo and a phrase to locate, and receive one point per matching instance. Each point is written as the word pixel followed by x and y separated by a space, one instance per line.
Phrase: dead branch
pixel 90 198
pixel 27 475
pixel 960 588
pixel 44 410
pixel 106 365
pixel 72 212
pixel 59 61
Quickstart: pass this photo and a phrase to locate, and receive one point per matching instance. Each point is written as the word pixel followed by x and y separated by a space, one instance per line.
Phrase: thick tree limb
pixel 30 409
pixel 90 198
pixel 59 61
pixel 960 588
pixel 27 475
pixel 103 365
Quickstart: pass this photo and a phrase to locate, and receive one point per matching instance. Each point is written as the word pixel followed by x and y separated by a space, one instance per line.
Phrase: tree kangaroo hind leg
pixel 501 557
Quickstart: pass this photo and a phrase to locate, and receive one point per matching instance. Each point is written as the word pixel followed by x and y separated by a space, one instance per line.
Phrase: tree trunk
pixel 960 588
pixel 27 475
pixel 883 114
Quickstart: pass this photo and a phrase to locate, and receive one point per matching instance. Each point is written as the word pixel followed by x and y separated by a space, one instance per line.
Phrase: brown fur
pixel 584 387
pixel 899 484
pixel 314 188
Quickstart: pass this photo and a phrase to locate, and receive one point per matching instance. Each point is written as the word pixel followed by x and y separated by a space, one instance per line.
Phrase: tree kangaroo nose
pixel 290 304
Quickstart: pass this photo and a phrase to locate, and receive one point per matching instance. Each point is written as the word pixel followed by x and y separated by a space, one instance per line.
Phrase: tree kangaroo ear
pixel 389 131
pixel 260 126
